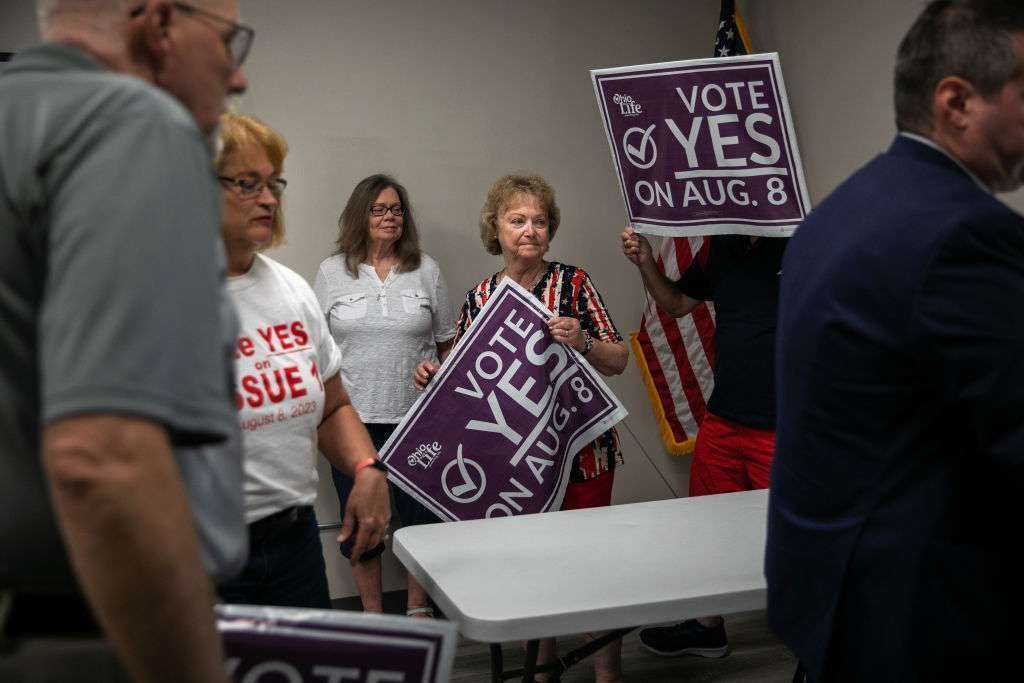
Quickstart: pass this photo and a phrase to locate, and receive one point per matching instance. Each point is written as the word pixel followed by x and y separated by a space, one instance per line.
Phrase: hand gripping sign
pixel 705 146
pixel 495 432
pixel 272 644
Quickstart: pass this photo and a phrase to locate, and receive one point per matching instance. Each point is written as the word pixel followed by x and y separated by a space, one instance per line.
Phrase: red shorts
pixel 592 493
pixel 730 457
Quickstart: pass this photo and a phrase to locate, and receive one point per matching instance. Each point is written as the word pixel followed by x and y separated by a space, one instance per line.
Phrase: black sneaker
pixel 689 637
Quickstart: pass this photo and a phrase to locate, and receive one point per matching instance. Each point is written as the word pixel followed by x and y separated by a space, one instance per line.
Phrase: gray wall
pixel 449 95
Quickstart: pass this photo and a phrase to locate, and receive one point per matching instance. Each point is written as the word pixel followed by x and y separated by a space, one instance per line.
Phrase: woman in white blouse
pixel 387 308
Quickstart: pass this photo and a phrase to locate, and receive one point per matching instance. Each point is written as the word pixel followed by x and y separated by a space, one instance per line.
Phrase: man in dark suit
pixel 899 467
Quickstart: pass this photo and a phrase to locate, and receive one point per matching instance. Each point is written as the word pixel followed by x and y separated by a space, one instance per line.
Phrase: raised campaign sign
pixel 705 146
pixel 280 644
pixel 495 432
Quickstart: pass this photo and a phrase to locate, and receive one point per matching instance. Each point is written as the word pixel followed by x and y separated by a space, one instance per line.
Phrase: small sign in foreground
pixel 272 644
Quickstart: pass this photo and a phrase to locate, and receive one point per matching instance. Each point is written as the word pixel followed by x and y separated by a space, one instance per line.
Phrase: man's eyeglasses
pixel 238 39
pixel 250 188
pixel 380 210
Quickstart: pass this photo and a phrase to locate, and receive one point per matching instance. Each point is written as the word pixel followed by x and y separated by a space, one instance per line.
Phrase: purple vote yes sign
pixel 704 146
pixel 273 644
pixel 496 431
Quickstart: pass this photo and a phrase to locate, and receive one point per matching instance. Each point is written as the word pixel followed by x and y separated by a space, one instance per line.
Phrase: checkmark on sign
pixel 645 152
pixel 467 485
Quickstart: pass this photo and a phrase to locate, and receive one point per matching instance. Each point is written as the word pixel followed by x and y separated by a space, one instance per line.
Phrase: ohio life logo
pixel 425 455
pixel 627 105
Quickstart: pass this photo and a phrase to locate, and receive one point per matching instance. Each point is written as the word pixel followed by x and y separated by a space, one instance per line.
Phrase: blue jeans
pixel 286 564
pixel 410 511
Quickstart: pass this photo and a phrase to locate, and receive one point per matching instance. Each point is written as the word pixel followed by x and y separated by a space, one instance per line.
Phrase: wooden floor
pixel 756 655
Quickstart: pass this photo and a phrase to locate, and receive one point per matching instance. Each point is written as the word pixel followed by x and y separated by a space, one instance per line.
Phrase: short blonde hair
pixel 504 190
pixel 242 136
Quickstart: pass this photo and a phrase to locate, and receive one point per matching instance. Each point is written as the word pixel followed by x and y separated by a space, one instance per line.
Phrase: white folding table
pixel 602 569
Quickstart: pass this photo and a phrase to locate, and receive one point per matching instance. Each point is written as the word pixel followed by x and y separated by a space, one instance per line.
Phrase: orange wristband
pixel 366 462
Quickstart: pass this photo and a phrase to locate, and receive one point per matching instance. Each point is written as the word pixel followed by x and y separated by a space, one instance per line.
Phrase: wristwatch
pixel 588 343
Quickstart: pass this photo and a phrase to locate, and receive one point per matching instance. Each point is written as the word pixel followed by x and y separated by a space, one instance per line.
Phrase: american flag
pixel 731 38
pixel 677 355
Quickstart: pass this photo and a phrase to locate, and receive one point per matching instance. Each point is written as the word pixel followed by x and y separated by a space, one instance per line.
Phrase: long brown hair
pixel 354 225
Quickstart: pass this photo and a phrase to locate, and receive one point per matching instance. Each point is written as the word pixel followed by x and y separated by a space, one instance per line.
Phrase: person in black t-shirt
pixel 736 440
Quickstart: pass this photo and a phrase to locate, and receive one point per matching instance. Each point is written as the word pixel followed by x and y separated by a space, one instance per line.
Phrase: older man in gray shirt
pixel 119 476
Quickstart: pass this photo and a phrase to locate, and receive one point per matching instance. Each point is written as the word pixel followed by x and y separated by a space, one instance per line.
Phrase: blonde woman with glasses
pixel 289 393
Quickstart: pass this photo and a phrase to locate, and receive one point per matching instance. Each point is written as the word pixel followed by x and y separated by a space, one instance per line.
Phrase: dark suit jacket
pixel 897 490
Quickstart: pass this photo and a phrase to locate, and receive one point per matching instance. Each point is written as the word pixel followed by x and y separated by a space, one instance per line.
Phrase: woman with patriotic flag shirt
pixel 518 221
pixel 290 398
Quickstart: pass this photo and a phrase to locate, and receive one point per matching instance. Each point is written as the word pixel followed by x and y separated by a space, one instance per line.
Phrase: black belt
pixel 272 525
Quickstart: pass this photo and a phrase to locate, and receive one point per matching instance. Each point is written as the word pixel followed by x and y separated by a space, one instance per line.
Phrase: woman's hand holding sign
pixel 609 358
pixel 424 372
pixel 567 331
